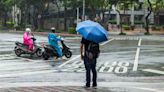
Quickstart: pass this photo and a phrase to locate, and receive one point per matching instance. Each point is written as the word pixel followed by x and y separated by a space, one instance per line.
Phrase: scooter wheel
pixel 18 52
pixel 39 52
pixel 45 56
pixel 68 54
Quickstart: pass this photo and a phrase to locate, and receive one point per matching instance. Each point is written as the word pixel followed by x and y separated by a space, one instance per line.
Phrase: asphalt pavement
pixel 126 64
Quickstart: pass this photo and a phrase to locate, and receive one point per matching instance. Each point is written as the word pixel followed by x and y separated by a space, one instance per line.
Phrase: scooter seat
pixel 49 47
pixel 20 44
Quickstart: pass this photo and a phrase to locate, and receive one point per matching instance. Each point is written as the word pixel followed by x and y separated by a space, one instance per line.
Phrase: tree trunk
pixel 35 20
pixel 120 25
pixel 93 11
pixel 40 21
pixel 5 19
pixel 147 20
pixel 58 10
pixel 65 18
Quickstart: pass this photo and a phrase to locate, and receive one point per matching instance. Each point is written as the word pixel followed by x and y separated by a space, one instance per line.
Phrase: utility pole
pixel 83 16
pixel 77 19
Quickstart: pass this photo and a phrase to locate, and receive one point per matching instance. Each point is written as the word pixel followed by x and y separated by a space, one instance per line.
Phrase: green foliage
pixel 72 30
pixel 112 21
pixel 163 27
pixel 122 33
pixel 40 30
pixel 157 28
pixel 10 24
pixel 18 27
pixel 138 22
pixel 146 33
pixel 126 27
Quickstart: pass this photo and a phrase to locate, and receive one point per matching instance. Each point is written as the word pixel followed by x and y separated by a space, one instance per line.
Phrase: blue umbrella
pixel 92 31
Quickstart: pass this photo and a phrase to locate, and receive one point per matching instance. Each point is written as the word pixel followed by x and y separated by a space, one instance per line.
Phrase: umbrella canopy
pixel 92 31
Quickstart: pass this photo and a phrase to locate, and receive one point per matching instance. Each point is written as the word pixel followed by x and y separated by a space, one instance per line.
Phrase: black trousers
pixel 90 65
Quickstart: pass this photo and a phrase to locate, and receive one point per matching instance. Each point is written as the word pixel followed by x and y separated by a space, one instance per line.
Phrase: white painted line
pixel 148 89
pixel 122 67
pixel 76 62
pixel 103 67
pixel 154 71
pixel 6 55
pixel 68 61
pixel 81 70
pixel 135 66
pixel 111 67
pixel 75 47
pixel 139 43
pixel 78 65
pixel 27 73
pixel 106 42
pixel 23 67
pixel 10 57
pixel 19 63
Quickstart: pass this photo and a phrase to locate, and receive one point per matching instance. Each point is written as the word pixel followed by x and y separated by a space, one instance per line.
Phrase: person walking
pixel 89 54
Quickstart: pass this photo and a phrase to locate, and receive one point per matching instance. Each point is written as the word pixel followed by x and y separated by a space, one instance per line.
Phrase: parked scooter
pixel 21 48
pixel 49 51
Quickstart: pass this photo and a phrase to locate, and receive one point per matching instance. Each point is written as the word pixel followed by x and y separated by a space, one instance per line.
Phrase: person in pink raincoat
pixel 27 39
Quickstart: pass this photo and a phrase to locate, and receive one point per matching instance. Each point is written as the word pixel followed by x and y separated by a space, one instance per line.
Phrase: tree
pixel 5 7
pixel 146 18
pixel 40 9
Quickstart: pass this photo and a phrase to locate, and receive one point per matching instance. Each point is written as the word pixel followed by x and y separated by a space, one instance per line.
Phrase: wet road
pixel 123 59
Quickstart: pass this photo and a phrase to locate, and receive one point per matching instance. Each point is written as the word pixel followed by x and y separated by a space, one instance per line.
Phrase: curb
pixel 46 33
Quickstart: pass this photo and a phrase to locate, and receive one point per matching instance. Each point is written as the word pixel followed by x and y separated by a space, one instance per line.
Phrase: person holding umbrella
pixel 92 34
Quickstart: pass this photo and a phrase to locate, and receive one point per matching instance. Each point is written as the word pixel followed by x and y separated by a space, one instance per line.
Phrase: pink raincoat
pixel 28 41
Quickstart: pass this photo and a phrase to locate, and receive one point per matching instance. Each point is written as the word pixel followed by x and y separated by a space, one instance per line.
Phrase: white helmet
pixel 53 28
pixel 28 30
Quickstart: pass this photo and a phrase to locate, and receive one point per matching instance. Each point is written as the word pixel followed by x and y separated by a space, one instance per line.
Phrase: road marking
pixel 122 67
pixel 149 89
pixel 24 67
pixel 135 66
pixel 17 64
pixel 111 67
pixel 68 61
pixel 106 42
pixel 103 67
pixel 27 73
pixel 7 55
pixel 154 71
pixel 7 58
pixel 135 85
pixel 73 66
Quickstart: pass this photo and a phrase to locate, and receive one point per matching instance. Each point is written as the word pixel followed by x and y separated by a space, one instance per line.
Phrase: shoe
pixel 86 87
pixel 94 87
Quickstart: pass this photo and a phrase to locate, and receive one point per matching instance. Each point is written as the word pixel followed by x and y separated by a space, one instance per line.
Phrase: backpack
pixel 93 50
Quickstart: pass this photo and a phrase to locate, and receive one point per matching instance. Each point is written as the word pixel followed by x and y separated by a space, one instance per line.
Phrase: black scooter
pixel 49 51
pixel 21 48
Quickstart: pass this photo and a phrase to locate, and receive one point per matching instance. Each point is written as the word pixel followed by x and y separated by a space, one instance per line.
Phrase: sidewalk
pixel 46 33
pixel 70 89
pixel 77 87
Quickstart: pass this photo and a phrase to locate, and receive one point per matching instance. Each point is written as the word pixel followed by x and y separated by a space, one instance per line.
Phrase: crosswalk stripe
pixel 8 58
pixel 27 73
pixel 23 67
pixel 69 61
